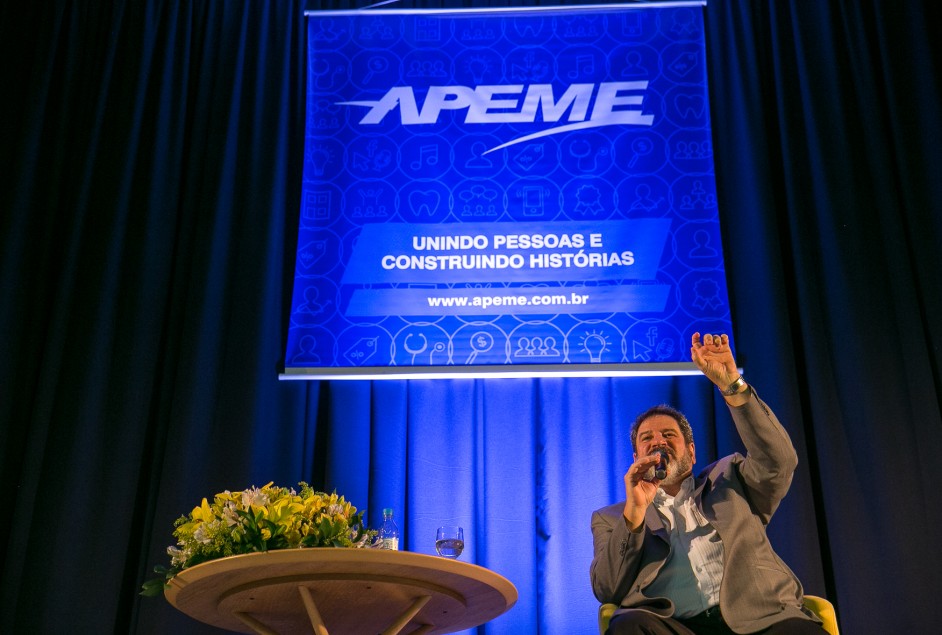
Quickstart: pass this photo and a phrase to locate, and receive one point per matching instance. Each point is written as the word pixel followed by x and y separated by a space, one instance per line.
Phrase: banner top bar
pixel 472 10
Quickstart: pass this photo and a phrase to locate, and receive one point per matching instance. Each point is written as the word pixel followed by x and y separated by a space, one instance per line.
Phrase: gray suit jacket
pixel 738 495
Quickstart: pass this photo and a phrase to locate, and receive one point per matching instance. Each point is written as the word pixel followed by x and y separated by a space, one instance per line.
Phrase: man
pixel 688 555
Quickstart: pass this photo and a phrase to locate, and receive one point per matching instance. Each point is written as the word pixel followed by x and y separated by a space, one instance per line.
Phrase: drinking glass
pixel 449 541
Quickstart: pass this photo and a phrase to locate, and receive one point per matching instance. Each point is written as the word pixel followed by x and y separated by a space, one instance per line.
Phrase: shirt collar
pixel 662 498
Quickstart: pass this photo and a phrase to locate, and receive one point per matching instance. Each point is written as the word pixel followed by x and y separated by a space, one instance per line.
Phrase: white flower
pixel 254 497
pixel 200 534
pixel 177 556
pixel 230 514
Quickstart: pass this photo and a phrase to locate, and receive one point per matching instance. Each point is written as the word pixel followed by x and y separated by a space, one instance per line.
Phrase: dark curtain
pixel 828 127
pixel 151 155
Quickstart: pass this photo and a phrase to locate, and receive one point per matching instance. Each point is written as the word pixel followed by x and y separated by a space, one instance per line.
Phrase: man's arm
pixel 770 457
pixel 617 555
pixel 618 533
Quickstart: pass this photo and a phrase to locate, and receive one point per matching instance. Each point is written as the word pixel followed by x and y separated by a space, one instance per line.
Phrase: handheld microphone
pixel 660 470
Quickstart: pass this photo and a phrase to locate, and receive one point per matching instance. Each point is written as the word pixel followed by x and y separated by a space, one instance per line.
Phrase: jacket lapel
pixel 655 524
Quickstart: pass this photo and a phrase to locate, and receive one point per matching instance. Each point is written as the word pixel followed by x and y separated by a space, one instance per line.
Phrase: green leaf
pixel 153 587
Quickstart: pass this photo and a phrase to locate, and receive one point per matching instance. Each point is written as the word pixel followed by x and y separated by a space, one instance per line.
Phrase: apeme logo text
pixel 578 107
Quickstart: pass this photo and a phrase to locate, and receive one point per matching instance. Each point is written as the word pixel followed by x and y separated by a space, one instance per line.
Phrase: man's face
pixel 663 432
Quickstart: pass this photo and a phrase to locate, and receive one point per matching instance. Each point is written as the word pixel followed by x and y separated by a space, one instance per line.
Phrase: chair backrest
pixel 605 616
pixel 817 605
pixel 823 609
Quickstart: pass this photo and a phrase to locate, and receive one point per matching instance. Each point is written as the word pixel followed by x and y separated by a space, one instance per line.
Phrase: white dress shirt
pixel 692 574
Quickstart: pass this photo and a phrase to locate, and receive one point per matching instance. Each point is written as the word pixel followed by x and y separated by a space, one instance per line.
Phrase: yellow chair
pixel 825 610
pixel 819 606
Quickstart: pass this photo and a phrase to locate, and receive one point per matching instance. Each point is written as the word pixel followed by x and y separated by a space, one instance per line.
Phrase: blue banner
pixel 506 188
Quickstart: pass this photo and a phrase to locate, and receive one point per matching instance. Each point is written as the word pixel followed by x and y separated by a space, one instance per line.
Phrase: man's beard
pixel 678 468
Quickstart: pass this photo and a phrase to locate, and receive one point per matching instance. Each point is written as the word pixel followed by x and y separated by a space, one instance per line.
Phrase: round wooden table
pixel 338 591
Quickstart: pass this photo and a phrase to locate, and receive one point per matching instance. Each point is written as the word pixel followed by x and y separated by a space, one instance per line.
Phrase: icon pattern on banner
pixel 566 154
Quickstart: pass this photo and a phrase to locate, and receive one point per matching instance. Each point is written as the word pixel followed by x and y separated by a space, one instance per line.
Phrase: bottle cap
pixel 387 511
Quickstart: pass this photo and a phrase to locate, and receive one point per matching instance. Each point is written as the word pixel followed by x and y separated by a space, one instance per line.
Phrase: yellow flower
pixel 262 518
pixel 203 513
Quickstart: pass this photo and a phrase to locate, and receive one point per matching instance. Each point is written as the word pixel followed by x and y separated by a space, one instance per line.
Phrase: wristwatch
pixel 734 387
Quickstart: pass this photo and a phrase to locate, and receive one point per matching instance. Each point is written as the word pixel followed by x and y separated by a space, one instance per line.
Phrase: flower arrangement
pixel 260 519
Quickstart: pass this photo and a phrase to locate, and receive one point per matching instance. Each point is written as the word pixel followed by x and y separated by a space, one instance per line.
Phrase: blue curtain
pixel 151 153
pixel 520 464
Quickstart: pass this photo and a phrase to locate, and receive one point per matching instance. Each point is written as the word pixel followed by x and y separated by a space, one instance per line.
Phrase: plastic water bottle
pixel 389 532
